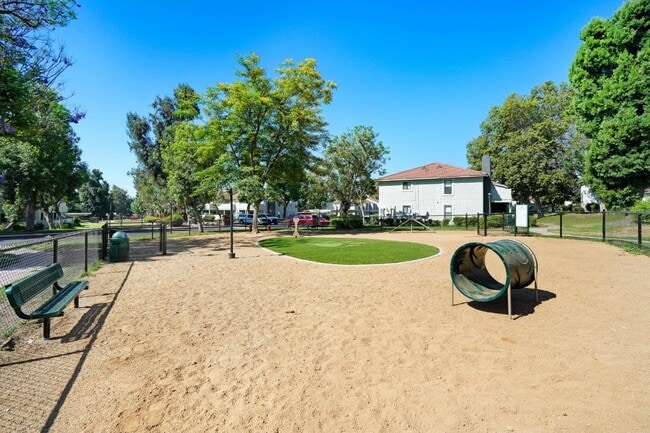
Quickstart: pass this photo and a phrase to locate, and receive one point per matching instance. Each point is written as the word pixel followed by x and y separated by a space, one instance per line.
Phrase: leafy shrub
pixel 472 221
pixel 459 221
pixel 39 226
pixel 445 222
pixel 176 220
pixel 150 219
pixel 593 207
pixel 493 221
pixel 436 223
pixel 208 218
pixel 347 223
pixel 77 221
pixel 644 208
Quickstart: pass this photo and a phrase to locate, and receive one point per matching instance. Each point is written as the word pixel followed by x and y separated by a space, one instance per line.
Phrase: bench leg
pixel 46 328
pixel 76 301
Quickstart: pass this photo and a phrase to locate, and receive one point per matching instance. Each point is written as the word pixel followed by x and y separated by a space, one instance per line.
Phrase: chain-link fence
pixel 76 252
pixel 630 228
pixel 626 228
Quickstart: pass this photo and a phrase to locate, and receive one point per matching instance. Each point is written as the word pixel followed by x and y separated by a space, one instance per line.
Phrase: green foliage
pixel 612 80
pixel 176 220
pixel 641 206
pixel 352 162
pixel 346 251
pixel 94 195
pixel 209 218
pixel 347 223
pixel 533 145
pixel 493 221
pixel 644 208
pixel 461 221
pixel 260 128
pixel 120 201
pixel 42 162
pixel 149 219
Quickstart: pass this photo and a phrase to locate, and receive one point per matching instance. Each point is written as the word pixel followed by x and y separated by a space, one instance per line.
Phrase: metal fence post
pixel 86 252
pixel 604 234
pixel 561 225
pixel 55 252
pixel 640 234
pixel 485 221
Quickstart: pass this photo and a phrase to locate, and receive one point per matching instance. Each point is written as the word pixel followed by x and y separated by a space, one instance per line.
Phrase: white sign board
pixel 521 215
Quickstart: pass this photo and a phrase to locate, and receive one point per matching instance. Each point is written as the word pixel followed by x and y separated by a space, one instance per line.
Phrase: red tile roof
pixel 434 170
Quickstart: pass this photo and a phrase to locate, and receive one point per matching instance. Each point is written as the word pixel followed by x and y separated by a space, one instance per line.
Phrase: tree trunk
pixel 197 217
pixel 363 214
pixel 30 211
pixel 254 226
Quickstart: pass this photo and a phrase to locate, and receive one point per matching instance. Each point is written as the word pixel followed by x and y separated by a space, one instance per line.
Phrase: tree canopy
pixel 611 77
pixel 260 126
pixel 533 145
pixel 353 159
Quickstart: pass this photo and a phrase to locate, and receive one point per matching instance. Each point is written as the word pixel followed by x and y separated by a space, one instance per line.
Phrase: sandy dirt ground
pixel 195 342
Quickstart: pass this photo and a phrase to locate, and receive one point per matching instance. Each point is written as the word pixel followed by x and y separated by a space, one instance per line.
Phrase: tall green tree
pixel 353 160
pixel 94 195
pixel 258 124
pixel 42 164
pixel 149 136
pixel 611 75
pixel 185 169
pixel 120 201
pixel 28 57
pixel 533 145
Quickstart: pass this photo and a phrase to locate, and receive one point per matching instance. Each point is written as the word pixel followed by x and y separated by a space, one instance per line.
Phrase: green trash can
pixel 119 247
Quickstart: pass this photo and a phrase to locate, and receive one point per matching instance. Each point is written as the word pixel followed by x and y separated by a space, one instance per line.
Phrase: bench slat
pixel 54 306
pixel 40 282
pixel 29 287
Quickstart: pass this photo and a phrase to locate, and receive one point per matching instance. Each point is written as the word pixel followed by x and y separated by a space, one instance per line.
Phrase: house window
pixel 448 213
pixel 406 186
pixel 448 186
pixel 406 210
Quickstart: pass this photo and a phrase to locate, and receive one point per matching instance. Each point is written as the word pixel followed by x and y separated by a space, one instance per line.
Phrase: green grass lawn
pixel 346 251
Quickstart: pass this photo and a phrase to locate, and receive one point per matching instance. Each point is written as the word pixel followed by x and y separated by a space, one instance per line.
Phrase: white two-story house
pixel 441 191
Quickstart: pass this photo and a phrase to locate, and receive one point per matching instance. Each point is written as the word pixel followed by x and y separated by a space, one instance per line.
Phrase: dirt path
pixel 195 342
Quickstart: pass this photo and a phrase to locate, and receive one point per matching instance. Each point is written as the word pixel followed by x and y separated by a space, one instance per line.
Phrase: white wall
pixel 428 196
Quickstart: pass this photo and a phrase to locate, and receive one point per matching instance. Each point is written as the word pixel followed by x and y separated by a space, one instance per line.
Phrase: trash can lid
pixel 119 235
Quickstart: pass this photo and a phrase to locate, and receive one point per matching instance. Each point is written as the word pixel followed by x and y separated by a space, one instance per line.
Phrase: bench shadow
pixel 523 302
pixel 89 326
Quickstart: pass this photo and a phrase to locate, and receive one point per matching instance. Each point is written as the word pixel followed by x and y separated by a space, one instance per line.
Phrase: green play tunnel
pixel 471 277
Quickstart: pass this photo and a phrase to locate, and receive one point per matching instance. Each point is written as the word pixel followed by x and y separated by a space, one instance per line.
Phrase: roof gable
pixel 434 170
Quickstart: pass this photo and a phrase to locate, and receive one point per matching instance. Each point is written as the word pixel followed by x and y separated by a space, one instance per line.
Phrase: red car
pixel 310 220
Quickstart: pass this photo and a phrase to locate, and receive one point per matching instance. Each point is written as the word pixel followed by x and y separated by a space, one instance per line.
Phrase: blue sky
pixel 423 74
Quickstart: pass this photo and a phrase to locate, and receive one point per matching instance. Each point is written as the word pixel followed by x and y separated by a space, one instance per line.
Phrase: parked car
pixel 310 220
pixel 247 218
pixel 270 219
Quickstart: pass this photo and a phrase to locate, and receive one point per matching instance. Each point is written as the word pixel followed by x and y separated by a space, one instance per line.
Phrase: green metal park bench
pixel 21 292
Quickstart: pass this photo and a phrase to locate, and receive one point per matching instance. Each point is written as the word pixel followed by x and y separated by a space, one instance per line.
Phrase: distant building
pixel 441 191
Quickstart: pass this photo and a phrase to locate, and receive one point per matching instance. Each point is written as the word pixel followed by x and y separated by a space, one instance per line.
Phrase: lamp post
pixel 231 255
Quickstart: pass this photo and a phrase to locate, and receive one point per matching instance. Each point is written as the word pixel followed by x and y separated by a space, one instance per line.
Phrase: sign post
pixel 521 218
